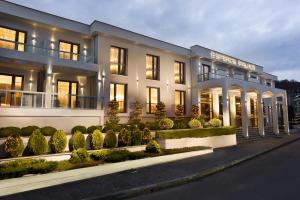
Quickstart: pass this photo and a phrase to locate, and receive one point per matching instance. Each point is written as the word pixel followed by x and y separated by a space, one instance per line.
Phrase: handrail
pixel 22 91
pixel 212 76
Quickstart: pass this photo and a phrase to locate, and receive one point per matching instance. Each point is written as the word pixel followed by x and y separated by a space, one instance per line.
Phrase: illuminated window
pixel 12 39
pixel 152 67
pixel 69 51
pixel 152 98
pixel 118 93
pixel 180 98
pixel 7 84
pixel 118 59
pixel 67 94
pixel 179 70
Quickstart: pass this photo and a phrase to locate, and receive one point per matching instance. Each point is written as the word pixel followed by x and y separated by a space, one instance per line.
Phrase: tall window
pixel 152 67
pixel 8 83
pixel 179 70
pixel 118 60
pixel 180 98
pixel 69 51
pixel 67 94
pixel 205 72
pixel 12 39
pixel 119 94
pixel 152 98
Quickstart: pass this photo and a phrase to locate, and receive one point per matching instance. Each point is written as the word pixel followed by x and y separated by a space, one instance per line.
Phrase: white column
pixel 285 114
pixel 216 103
pixel 232 108
pixel 260 115
pixel 226 117
pixel 99 88
pixel 48 85
pixel 244 113
pixel 275 115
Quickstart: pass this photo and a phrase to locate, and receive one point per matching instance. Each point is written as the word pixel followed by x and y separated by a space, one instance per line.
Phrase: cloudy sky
pixel 265 32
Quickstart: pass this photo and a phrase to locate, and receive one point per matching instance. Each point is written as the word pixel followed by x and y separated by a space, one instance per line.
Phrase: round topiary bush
pixel 96 140
pixel 153 147
pixel 37 143
pixel 13 146
pixel 48 130
pixel 27 131
pixel 79 156
pixel 136 137
pixel 9 131
pixel 124 138
pixel 82 129
pixel 166 124
pixel 110 140
pixel 92 128
pixel 146 136
pixel 215 122
pixel 195 123
pixel 77 141
pixel 58 142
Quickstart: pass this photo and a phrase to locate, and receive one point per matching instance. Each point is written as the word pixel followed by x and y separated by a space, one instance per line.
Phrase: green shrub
pixel 48 130
pixel 166 123
pixel 194 133
pixel 37 143
pixel 146 136
pixel 13 146
pixel 79 156
pixel 124 138
pixel 152 125
pixel 117 156
pixel 27 131
pixel 8 131
pixel 43 167
pixel 82 129
pixel 153 147
pixel 96 139
pixel 58 142
pixel 77 141
pixel 202 119
pixel 180 124
pixel 136 155
pixel 136 137
pixel 110 140
pixel 100 155
pixel 215 122
pixel 194 123
pixel 91 129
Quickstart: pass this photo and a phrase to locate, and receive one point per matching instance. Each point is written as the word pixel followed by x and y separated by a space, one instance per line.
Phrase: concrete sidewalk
pixel 116 185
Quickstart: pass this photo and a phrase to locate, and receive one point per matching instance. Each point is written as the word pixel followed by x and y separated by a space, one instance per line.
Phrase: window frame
pixel 184 95
pixel 205 77
pixel 124 72
pixel 152 67
pixel 16 41
pixel 181 75
pixel 71 51
pixel 115 94
pixel 148 88
pixel 70 90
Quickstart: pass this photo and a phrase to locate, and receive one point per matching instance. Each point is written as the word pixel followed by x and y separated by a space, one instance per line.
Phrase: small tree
pixel 113 110
pixel 195 111
pixel 137 113
pixel 160 111
pixel 179 112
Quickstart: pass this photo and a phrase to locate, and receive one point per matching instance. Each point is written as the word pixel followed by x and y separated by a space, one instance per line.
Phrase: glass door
pixel 205 72
pixel 67 94
pixel 9 83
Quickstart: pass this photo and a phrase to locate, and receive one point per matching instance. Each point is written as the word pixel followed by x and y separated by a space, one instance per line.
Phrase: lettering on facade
pixel 232 61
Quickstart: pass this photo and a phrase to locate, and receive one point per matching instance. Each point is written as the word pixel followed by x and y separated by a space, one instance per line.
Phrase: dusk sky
pixel 266 32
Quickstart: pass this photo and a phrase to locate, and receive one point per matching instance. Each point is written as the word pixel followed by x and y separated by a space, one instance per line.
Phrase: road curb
pixel 183 180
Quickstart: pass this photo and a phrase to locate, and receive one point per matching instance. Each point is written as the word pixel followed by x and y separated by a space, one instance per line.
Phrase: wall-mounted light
pixel 52 43
pixel 85 50
pixel 33 39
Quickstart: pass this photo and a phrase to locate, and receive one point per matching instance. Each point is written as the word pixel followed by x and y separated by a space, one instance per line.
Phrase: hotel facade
pixel 62 73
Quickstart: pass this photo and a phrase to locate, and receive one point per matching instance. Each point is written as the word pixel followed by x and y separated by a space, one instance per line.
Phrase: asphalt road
pixel 275 175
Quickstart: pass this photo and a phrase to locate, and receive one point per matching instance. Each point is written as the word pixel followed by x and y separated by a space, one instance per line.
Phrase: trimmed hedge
pixel 13 146
pixel 58 142
pixel 91 129
pixel 96 140
pixel 117 156
pixel 48 130
pixel 100 155
pixel 146 136
pixel 110 140
pixel 153 147
pixel 9 131
pixel 194 133
pixel 77 141
pixel 27 131
pixel 136 137
pixel 37 143
pixel 79 156
pixel 82 129
pixel 124 137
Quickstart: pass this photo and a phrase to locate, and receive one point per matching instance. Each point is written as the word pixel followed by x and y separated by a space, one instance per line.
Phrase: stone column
pixel 260 115
pixel 285 114
pixel 98 92
pixel 275 115
pixel 216 103
pixel 226 117
pixel 244 113
pixel 232 108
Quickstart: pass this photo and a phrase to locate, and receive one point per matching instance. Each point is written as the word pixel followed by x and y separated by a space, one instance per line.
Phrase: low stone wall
pixel 213 141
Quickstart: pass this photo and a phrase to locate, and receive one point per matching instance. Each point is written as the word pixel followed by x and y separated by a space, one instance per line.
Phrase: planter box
pixel 213 141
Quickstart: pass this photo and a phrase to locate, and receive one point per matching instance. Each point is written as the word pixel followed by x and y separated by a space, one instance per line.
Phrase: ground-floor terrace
pixel 36 94
pixel 246 105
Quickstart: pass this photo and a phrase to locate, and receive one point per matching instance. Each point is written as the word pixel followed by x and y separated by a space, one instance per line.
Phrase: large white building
pixel 59 72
